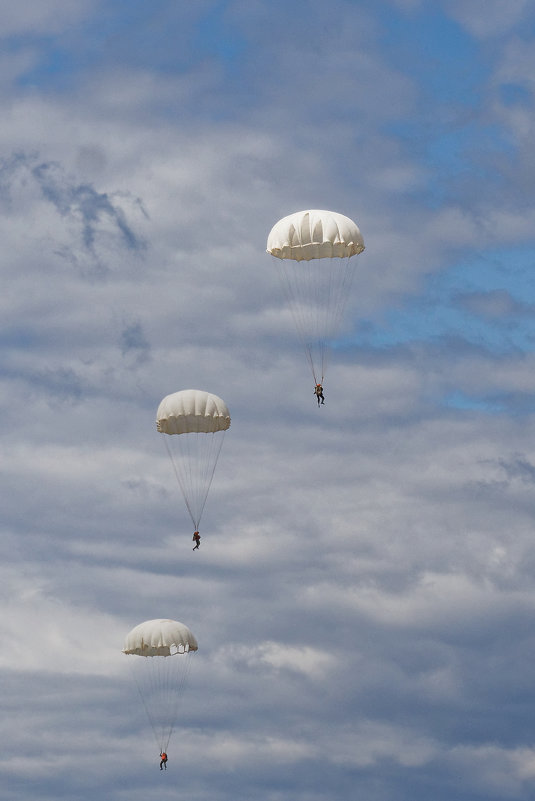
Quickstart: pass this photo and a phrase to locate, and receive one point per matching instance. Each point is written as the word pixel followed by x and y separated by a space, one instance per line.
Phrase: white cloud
pixel 489 18
pixel 41 19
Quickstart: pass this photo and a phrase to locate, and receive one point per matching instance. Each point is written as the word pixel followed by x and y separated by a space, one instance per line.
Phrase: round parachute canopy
pixel 192 411
pixel 313 250
pixel 165 647
pixel 200 420
pixel 315 234
pixel 161 637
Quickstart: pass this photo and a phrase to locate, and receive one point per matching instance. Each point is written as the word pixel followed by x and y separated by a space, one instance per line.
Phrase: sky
pixel 364 594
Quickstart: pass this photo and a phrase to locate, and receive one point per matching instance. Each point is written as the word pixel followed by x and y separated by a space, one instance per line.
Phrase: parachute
pixel 313 250
pixel 162 650
pixel 195 423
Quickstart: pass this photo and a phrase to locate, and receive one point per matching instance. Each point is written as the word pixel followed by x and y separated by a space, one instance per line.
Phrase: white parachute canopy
pixel 162 649
pixel 161 637
pixel 316 290
pixel 195 423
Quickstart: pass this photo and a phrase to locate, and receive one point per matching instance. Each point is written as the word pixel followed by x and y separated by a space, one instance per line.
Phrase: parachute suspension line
pixel 152 686
pixel 316 292
pixel 299 305
pixel 341 277
pixel 179 481
pixel 167 684
pixel 178 694
pixel 209 463
pixel 340 289
pixel 194 467
pixel 152 721
pixel 160 685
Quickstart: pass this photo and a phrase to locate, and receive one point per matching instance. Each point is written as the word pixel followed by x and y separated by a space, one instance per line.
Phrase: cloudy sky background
pixel 364 596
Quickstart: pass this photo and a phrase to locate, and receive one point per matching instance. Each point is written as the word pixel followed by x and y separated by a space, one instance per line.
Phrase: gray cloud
pixel 84 203
pixel 134 341
pixel 497 304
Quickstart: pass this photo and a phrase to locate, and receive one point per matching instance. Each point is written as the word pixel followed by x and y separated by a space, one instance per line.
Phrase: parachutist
pixel 193 423
pixel 160 680
pixel 314 252
pixel 196 539
pixel 318 392
pixel 163 761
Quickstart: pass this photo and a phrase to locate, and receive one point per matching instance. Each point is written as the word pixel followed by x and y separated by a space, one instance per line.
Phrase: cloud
pixel 494 305
pixel 83 203
pixel 363 594
pixel 36 19
pixel 87 222
pixel 133 341
pixel 493 21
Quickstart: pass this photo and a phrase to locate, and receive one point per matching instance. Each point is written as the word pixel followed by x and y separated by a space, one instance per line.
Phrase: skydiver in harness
pixel 318 392
pixel 163 761
pixel 196 539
